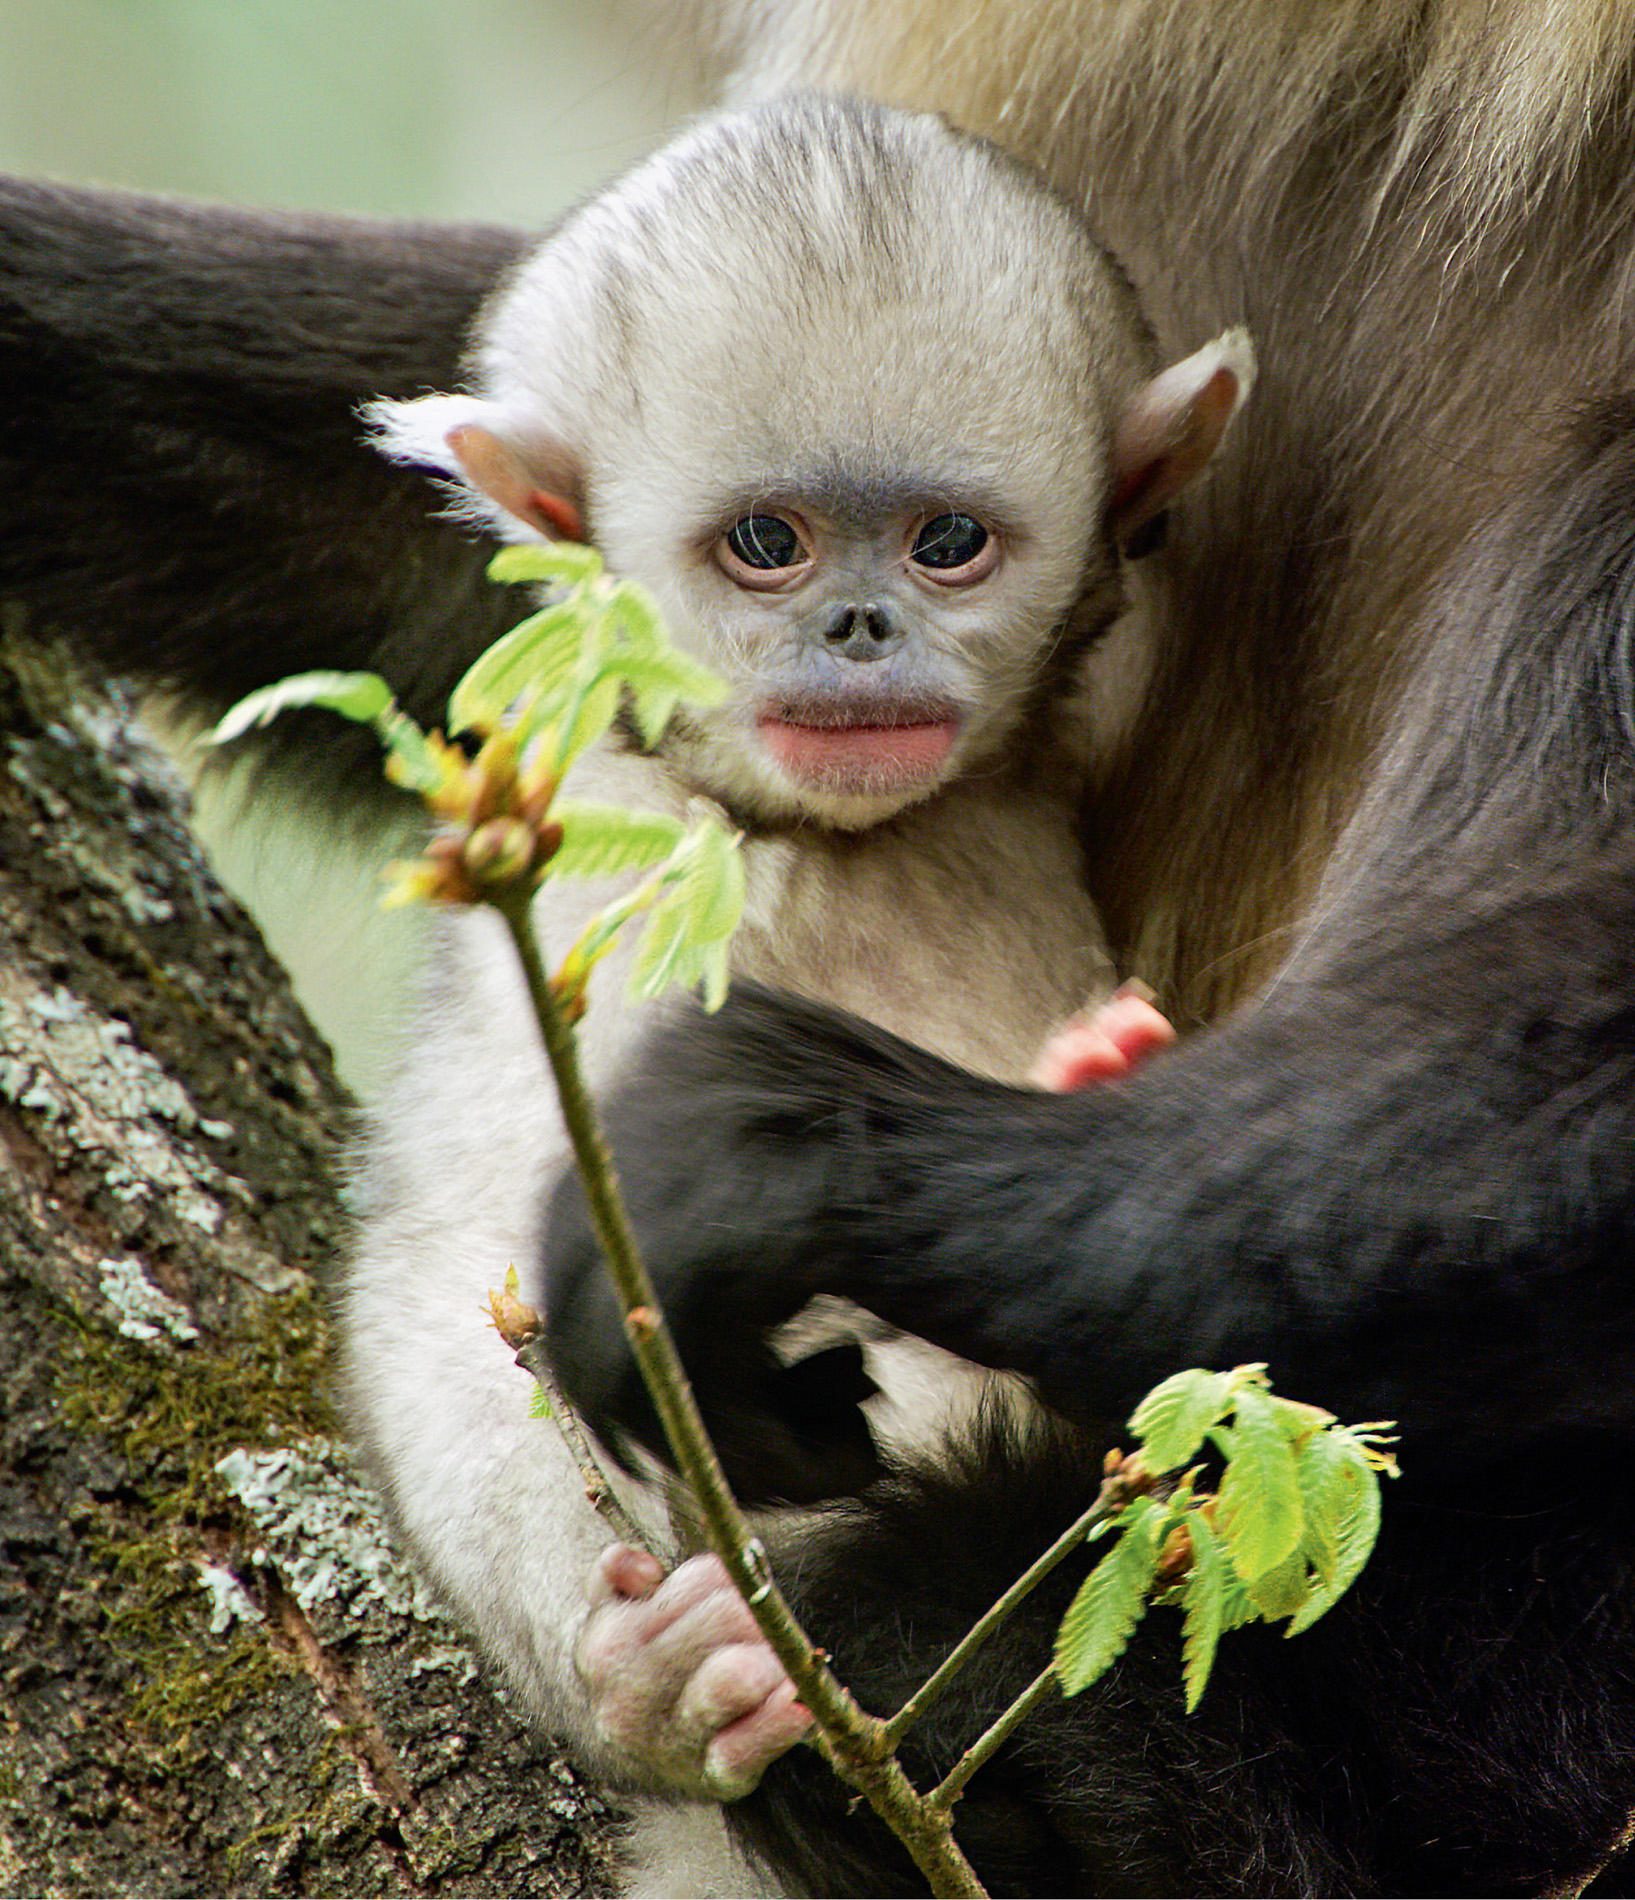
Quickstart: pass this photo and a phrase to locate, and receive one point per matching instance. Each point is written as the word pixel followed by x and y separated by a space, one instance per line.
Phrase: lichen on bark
pixel 216 1675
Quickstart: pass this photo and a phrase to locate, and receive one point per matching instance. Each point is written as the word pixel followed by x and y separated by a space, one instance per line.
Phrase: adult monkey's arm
pixel 183 479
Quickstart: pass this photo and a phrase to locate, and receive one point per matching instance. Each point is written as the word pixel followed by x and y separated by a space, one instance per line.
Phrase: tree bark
pixel 215 1674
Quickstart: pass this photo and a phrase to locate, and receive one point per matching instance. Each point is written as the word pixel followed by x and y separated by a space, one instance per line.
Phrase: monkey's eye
pixel 954 549
pixel 763 550
pixel 765 541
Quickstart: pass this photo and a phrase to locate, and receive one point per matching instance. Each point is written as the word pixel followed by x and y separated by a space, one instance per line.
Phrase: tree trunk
pixel 217 1675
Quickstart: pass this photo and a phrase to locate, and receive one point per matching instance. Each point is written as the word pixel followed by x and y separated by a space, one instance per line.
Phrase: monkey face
pixel 882 631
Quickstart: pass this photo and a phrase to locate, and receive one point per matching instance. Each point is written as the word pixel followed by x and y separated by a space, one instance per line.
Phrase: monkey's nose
pixel 862 633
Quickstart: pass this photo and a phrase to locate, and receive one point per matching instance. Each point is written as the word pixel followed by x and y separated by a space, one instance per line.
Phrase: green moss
pixel 191 1684
pixel 169 1414
pixel 174 1413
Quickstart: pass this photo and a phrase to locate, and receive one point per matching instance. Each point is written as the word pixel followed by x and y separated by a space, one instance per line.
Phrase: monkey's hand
pixel 1103 1043
pixel 680 1678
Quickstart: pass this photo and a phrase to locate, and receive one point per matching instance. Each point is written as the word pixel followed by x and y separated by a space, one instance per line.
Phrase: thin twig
pixel 1112 1497
pixel 851 1739
pixel 948 1791
pixel 598 1485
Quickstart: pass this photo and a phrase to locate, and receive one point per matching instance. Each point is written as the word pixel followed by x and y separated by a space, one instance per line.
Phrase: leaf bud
pixel 494 776
pixel 1175 1559
pixel 439 877
pixel 535 791
pixel 499 852
pixel 514 1319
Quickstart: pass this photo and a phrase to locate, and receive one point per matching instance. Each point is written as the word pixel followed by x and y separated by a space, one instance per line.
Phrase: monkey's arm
pixel 1361 1218
pixel 1406 1178
pixel 184 483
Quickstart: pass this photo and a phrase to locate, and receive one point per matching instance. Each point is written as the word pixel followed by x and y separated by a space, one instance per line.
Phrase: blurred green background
pixel 502 109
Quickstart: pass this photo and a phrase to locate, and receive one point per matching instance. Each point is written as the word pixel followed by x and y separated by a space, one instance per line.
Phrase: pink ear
pixel 556 514
pixel 1170 429
pixel 501 474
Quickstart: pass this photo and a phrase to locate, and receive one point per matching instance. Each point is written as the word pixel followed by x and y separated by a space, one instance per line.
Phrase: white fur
pixel 455 1174
pixel 709 362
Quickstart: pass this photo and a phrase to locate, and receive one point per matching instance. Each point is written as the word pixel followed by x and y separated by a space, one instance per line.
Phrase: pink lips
pixel 869 758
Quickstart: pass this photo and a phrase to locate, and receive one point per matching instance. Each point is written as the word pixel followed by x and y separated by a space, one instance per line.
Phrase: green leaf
pixel 604 929
pixel 360 696
pixel 1300 1420
pixel 1237 1606
pixel 695 913
pixel 714 880
pixel 598 840
pixel 604 638
pixel 590 719
pixel 635 616
pixel 673 672
pixel 1202 1603
pixel 713 977
pixel 1319 1549
pixel 539 1406
pixel 1327 1488
pixel 1283 1590
pixel 562 564
pixel 1348 1492
pixel 659 682
pixel 653 713
pixel 416 763
pixel 1259 1512
pixel 1102 1617
pixel 1173 1418
pixel 1253 1374
pixel 537 657
pixel 667 954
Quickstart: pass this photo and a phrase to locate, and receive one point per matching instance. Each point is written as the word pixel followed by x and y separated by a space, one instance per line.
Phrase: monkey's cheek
pixel 862 761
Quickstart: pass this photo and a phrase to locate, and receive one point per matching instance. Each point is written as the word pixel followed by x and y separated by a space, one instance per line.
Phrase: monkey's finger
pixel 1135 1023
pixel 671 1628
pixel 1076 1056
pixel 624 1571
pixel 734 1680
pixel 680 1636
pixel 743 1751
pixel 1103 1044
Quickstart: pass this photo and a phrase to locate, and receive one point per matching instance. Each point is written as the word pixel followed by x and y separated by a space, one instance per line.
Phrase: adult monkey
pixel 1422 213
pixel 1380 820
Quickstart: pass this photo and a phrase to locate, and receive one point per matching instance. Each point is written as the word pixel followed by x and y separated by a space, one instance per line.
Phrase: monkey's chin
pixel 894 762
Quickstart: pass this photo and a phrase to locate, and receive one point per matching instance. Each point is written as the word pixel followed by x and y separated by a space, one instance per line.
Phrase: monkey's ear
pixel 548 501
pixel 454 433
pixel 1170 428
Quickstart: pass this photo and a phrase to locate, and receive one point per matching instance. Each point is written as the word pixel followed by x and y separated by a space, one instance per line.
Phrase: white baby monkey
pixel 876 419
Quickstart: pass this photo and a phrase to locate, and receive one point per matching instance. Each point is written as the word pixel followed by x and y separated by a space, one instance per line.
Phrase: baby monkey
pixel 880 425
pixel 875 418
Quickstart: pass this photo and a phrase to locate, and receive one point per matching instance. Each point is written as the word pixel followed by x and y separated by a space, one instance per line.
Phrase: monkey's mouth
pixel 840 752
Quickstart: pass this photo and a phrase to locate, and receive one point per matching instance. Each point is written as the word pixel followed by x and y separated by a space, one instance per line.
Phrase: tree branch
pixel 1116 1489
pixel 853 1741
